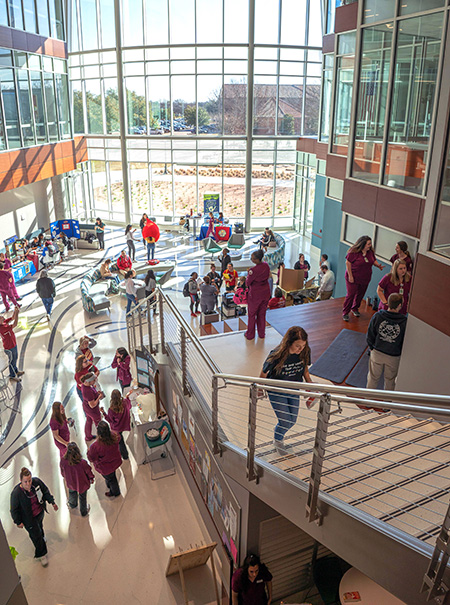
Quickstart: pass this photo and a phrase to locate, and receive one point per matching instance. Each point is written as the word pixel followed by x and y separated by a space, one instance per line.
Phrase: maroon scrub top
pixel 361 266
pixel 388 288
pixel 258 283
pixel 408 260
pixel 255 592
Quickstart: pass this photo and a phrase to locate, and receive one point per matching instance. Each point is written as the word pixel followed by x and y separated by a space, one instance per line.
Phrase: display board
pixel 211 203
pixel 9 246
pixel 146 368
pixel 68 226
pixel 21 270
pixel 216 493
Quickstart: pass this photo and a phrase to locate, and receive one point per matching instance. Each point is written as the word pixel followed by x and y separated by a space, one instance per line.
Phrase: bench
pixel 93 291
pixel 274 256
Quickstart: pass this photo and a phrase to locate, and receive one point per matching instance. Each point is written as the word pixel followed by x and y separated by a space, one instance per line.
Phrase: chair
pixel 7 395
pixel 160 460
pixel 210 246
pixel 236 241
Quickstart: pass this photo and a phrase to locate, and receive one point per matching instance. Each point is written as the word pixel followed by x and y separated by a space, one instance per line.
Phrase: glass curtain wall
pixel 345 66
pixel 185 82
pixel 42 17
pixel 34 99
pixel 396 101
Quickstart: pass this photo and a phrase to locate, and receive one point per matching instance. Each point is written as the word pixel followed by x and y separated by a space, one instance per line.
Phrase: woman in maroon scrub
pixel 398 281
pixel 121 362
pixel 402 253
pixel 118 417
pixel 105 456
pixel 60 427
pixel 359 262
pixel 7 265
pixel 252 583
pixel 78 476
pixel 258 295
pixel 91 400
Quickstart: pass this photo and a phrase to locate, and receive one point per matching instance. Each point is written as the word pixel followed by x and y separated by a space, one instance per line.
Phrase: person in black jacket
pixel 45 287
pixel 28 504
pixel 224 259
pixel 385 339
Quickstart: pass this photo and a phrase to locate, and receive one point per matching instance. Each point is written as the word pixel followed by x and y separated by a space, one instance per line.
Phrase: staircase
pixel 232 324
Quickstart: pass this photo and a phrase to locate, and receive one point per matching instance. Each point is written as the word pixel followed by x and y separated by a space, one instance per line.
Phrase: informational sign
pixel 211 203
pixel 70 227
pixel 146 369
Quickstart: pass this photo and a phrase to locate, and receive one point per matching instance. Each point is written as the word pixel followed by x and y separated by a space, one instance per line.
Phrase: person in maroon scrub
pixel 118 417
pixel 121 362
pixel 251 584
pixel 359 262
pixel 258 295
pixel 7 265
pixel 78 476
pixel 60 427
pixel 105 455
pixel 402 253
pixel 91 400
pixel 7 287
pixel 398 281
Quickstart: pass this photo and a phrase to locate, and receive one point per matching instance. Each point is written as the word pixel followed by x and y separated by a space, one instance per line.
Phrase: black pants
pixel 36 533
pixel 194 301
pixel 112 484
pixel 131 249
pixel 73 501
pixel 122 385
pixel 123 448
pixel 101 240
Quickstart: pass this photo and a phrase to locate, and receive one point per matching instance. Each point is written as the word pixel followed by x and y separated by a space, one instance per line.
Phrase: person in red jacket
pixel 118 417
pixel 124 263
pixel 78 476
pixel 82 367
pixel 105 455
pixel 258 295
pixel 122 363
pixel 278 301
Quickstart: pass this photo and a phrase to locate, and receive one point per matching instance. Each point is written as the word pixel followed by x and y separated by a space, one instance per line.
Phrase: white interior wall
pixel 26 209
pixel 424 362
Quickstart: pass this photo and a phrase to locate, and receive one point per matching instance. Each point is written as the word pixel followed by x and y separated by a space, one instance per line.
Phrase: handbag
pixel 272 244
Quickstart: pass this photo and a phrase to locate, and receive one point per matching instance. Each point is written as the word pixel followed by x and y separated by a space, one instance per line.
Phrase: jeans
pixel 123 448
pixel 112 484
pixel 150 251
pixel 101 239
pixel 36 533
pixel 13 362
pixel 130 300
pixel 286 409
pixel 48 304
pixel 194 301
pixel 73 501
pixel 131 249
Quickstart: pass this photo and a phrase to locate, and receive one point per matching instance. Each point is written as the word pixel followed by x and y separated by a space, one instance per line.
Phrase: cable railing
pixel 381 452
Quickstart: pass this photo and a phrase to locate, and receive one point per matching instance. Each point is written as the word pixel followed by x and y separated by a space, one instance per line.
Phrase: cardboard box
pixel 291 279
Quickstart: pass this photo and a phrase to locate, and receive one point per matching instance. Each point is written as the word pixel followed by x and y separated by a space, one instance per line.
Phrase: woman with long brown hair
pixel 402 253
pixel 118 417
pixel 60 427
pixel 78 476
pixel 121 363
pixel 289 361
pixel 359 261
pixel 28 505
pixel 105 455
pixel 82 367
pixel 398 281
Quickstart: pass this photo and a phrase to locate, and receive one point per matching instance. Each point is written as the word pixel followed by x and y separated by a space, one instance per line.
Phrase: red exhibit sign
pixel 222 233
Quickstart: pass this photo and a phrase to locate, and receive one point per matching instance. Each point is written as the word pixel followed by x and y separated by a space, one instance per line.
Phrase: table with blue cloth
pixel 22 269
pixel 203 232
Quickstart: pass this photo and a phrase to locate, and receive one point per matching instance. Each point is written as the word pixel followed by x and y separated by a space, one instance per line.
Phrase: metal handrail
pixel 401 400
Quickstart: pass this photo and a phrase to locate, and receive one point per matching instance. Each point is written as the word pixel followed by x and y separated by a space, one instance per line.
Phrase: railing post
pixel 128 324
pixel 253 399
pixel 149 328
pixel 215 415
pixel 432 581
pixel 141 333
pixel 323 416
pixel 184 363
pixel 161 326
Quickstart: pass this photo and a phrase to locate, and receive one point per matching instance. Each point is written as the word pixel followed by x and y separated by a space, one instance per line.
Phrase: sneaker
pixel 280 447
pixel 345 317
pixel 69 506
pixel 87 511
pixel 356 313
pixel 111 495
pixel 15 379
pixel 20 372
pixel 44 561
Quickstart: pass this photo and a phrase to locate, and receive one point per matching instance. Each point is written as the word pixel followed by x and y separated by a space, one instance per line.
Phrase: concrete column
pixel 58 194
pixel 249 126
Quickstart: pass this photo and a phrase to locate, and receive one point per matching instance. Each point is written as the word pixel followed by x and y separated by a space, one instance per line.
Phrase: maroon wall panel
pixel 359 199
pixel 328 44
pixel 430 296
pixel 346 18
pixel 20 40
pixel 336 166
pixel 399 211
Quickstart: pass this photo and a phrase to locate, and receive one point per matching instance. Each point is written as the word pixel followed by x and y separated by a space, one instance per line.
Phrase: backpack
pixel 186 289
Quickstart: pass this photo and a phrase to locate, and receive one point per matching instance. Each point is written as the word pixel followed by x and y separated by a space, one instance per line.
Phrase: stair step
pixel 231 325
pixel 206 330
pixel 218 327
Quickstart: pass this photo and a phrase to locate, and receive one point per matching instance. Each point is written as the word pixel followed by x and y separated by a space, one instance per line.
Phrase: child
pixel 241 293
pixel 230 277
pixel 278 301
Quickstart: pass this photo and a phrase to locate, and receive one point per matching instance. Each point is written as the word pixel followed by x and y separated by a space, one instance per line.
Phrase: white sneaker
pixel 44 561
pixel 280 446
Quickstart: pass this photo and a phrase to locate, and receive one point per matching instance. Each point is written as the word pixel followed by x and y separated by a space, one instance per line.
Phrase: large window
pixel 345 65
pixel 441 236
pixel 186 94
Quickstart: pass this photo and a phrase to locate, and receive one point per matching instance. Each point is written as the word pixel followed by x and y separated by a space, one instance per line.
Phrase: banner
pixel 211 203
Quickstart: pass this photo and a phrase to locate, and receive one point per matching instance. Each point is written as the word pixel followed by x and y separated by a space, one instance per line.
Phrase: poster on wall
pixel 211 203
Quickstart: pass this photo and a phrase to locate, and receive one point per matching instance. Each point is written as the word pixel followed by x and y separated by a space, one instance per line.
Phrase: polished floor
pixel 119 553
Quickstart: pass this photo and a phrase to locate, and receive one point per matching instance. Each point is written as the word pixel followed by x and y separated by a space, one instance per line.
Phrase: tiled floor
pixel 119 553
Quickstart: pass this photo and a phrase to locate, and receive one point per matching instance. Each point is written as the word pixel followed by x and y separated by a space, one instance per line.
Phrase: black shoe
pixel 356 313
pixel 345 317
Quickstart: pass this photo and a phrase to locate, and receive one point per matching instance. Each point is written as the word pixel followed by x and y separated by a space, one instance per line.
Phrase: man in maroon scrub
pixel 258 295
